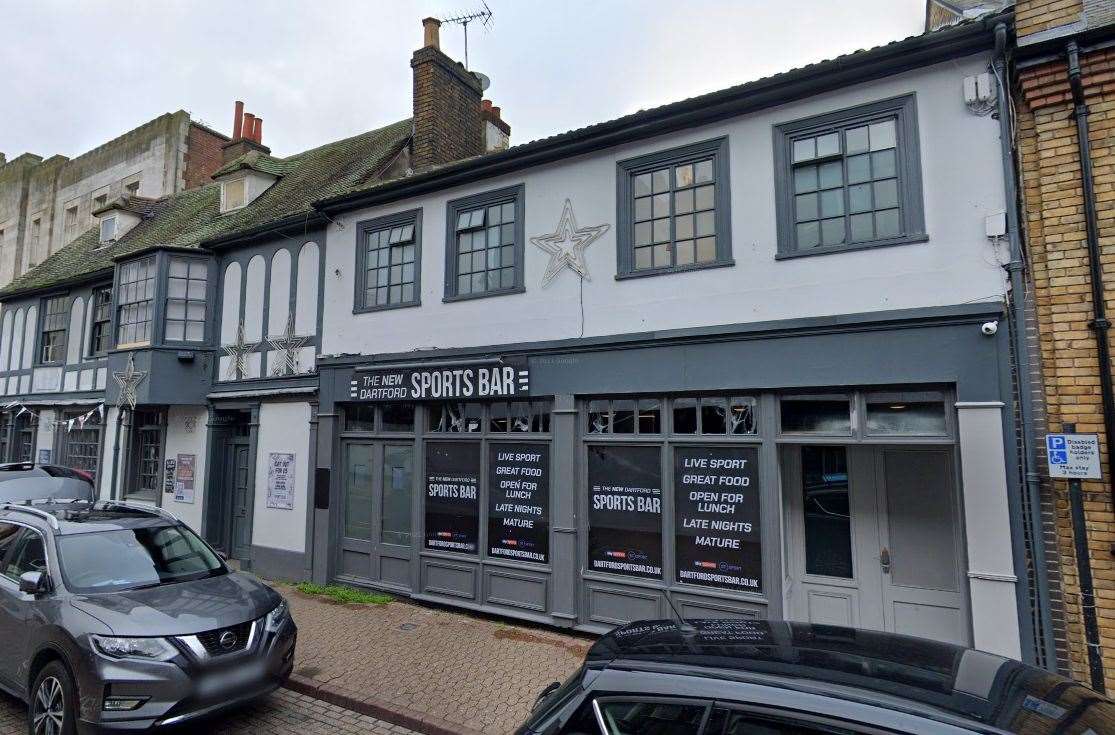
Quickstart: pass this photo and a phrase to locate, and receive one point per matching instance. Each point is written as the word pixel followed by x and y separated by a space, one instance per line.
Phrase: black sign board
pixel 716 497
pixel 519 501
pixel 453 496
pixel 625 510
pixel 486 381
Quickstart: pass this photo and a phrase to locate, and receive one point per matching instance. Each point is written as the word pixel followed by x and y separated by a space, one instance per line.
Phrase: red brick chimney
pixel 247 135
pixel 448 125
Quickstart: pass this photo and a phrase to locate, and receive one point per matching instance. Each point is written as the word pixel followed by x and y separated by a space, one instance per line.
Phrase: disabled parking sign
pixel 1073 456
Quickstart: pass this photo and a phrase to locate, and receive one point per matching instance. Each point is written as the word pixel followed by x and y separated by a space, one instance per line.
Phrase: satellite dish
pixel 485 82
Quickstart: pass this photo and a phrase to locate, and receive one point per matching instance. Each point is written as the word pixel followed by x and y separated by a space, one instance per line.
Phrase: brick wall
pixel 447 121
pixel 203 155
pixel 1035 16
pixel 1057 253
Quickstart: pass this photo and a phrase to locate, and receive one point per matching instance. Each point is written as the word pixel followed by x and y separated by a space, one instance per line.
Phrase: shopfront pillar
pixel 565 579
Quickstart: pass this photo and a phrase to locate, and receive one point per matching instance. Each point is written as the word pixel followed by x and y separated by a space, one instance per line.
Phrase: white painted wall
pixel 179 441
pixel 962 180
pixel 44 438
pixel 283 427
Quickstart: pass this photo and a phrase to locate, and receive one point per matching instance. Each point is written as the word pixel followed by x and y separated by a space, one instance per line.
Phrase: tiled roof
pixel 128 203
pixel 192 217
pixel 256 161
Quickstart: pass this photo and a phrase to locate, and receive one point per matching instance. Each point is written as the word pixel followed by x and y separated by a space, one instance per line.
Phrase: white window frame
pixel 243 180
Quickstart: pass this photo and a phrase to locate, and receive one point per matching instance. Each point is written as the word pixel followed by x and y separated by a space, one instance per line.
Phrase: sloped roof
pixel 190 218
pixel 256 161
pixel 128 203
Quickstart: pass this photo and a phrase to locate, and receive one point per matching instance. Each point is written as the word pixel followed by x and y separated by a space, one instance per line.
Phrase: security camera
pixel 989 328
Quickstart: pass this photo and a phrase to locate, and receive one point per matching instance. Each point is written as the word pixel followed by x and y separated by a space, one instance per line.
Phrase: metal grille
pixel 212 639
pixel 147 450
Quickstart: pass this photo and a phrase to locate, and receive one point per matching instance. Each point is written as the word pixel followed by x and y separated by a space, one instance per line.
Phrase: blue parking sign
pixel 1055 441
pixel 1058 456
pixel 1073 456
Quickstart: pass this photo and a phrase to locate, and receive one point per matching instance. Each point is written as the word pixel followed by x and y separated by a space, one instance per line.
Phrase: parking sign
pixel 1074 456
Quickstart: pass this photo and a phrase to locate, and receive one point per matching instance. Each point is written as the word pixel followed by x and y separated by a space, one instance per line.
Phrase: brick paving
pixel 283 713
pixel 433 669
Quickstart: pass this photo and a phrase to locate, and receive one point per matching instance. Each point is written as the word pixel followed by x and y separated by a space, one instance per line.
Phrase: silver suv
pixel 115 616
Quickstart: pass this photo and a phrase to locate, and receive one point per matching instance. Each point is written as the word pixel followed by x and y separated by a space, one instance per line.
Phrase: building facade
pixel 738 356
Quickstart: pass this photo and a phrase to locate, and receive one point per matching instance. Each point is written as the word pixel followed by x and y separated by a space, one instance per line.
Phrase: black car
pixel 28 482
pixel 119 617
pixel 733 677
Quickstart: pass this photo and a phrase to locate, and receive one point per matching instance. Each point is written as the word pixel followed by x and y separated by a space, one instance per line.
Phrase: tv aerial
pixel 483 15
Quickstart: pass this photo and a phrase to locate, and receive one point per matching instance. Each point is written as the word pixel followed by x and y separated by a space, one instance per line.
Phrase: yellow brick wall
pixel 1034 16
pixel 1058 261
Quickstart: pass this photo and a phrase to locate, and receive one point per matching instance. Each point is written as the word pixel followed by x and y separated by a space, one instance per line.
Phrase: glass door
pixel 395 495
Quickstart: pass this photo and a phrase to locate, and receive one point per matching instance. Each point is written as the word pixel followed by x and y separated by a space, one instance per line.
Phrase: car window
pixel 28 555
pixel 652 717
pixel 730 722
pixel 106 561
pixel 9 532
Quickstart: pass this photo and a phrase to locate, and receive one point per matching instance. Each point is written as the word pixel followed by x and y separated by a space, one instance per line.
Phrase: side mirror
pixel 33 583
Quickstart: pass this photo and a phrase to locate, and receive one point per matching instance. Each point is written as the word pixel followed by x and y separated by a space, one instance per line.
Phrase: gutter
pixel 856 68
pixel 1031 486
pixel 264 231
pixel 59 285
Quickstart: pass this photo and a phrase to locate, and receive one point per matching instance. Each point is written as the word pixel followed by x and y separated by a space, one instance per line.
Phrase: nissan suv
pixel 116 616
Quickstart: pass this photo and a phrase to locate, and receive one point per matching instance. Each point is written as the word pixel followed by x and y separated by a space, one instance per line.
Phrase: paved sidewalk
pixel 429 669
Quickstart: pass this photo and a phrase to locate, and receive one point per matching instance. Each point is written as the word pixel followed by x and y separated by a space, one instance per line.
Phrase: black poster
pixel 519 501
pixel 716 496
pixel 452 496
pixel 625 510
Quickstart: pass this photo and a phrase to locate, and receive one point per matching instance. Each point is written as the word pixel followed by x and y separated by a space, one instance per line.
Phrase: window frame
pixel 163 297
pixel 365 228
pixel 515 193
pixel 135 444
pixel 17 545
pixel 44 315
pixel 907 163
pixel 224 184
pixel 118 304
pixel 104 221
pixel 628 169
pixel 92 350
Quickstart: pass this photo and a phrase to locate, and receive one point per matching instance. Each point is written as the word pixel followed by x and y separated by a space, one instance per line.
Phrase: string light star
pixel 289 346
pixel 566 245
pixel 129 380
pixel 238 351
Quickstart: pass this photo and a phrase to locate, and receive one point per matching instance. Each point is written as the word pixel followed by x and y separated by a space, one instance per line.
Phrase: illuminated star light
pixel 238 351
pixel 129 381
pixel 567 244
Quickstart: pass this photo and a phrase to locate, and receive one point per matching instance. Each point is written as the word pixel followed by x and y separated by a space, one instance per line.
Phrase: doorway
pixel 377 534
pixel 228 525
pixel 874 539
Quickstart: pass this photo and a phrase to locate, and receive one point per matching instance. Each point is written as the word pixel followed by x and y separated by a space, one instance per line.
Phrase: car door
pixel 13 606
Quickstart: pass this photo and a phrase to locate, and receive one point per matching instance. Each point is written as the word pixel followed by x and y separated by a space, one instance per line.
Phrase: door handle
pixel 884 560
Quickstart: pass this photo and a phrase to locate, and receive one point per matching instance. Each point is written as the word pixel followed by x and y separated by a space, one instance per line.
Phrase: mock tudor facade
pixel 738 355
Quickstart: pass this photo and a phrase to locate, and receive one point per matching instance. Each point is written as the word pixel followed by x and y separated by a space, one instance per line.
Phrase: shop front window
pixel 906 418
pixel 827 512
pixel 148 426
pixel 81 446
pixel 625 510
pixel 456 418
pixel 816 416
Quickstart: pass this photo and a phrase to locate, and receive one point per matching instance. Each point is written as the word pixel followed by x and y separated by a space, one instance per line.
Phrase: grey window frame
pixel 515 193
pixel 907 161
pixel 45 315
pixel 136 444
pixel 365 228
pixel 627 170
pixel 119 303
pixel 162 289
pixel 94 322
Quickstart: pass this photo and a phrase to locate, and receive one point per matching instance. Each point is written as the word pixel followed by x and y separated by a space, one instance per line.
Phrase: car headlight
pixel 277 617
pixel 152 649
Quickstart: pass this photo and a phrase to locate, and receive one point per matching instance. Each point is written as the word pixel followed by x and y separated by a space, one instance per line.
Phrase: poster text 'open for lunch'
pixel 519 501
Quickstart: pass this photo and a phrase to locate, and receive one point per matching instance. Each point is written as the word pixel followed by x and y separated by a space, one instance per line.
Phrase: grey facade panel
pixel 278 564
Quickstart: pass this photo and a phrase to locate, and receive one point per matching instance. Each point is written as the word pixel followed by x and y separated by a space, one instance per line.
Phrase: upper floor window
pixel 674 210
pixel 100 333
pixel 388 262
pixel 135 302
pixel 70 222
pixel 185 303
pixel 108 229
pixel 234 194
pixel 849 179
pixel 484 244
pixel 52 345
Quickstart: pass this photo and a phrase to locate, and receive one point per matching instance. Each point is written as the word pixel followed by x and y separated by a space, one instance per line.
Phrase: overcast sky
pixel 76 74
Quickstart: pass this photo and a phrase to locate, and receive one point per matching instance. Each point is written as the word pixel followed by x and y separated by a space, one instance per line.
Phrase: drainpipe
pixel 1099 325
pixel 115 453
pixel 1031 488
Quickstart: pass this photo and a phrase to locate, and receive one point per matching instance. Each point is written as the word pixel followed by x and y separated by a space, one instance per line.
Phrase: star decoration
pixel 567 244
pixel 129 381
pixel 238 351
pixel 289 345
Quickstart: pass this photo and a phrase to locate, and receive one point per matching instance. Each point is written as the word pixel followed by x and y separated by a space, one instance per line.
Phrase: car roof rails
pixel 50 518
pixel 17 466
pixel 154 509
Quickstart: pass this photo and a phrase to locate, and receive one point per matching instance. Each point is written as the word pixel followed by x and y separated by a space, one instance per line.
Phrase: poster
pixel 519 501
pixel 44 456
pixel 184 478
pixel 716 499
pixel 452 496
pixel 280 480
pixel 169 466
pixel 625 510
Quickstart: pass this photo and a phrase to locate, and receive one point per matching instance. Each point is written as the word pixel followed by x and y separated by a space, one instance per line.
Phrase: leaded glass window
pixel 135 302
pixel 147 452
pixel 52 344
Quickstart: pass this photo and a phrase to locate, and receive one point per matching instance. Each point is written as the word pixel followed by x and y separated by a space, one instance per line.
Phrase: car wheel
pixel 53 708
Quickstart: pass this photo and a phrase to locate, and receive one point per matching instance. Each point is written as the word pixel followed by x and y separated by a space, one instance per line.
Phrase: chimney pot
pixel 495 112
pixel 430 33
pixel 249 125
pixel 238 120
pixel 486 104
pixel 257 130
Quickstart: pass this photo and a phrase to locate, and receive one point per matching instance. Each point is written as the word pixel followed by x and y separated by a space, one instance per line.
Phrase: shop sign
pixel 184 478
pixel 716 498
pixel 1074 456
pixel 487 381
pixel 625 510
pixel 452 496
pixel 519 501
pixel 280 480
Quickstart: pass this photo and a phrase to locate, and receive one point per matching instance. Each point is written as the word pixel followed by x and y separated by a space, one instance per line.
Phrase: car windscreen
pixel 134 558
pixel 20 487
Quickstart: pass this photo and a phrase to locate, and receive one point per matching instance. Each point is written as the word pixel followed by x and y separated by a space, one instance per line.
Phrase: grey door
pixel 874 539
pixel 238 479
